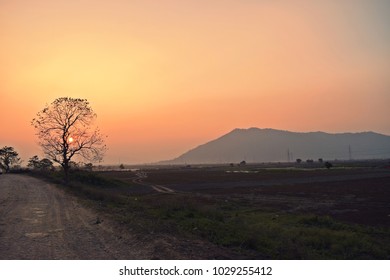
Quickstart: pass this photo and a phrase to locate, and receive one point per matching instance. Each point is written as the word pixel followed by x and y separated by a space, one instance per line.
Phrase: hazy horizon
pixel 164 78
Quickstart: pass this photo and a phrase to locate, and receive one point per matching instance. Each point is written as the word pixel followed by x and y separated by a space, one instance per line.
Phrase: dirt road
pixel 39 221
pixel 158 188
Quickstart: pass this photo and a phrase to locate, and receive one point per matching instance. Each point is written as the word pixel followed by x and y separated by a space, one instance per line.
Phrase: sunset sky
pixel 166 76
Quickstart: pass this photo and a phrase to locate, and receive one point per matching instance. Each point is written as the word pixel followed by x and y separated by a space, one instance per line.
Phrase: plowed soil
pixel 359 195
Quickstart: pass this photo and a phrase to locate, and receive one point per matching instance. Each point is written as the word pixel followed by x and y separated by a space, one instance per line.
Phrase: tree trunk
pixel 66 168
pixel 7 163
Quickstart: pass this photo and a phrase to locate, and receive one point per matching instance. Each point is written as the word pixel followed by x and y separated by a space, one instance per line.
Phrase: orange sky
pixel 165 76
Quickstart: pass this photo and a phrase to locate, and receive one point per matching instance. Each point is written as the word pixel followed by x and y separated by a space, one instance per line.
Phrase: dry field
pixel 356 195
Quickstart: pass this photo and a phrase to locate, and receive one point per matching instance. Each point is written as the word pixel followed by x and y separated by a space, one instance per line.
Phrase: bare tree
pixel 65 129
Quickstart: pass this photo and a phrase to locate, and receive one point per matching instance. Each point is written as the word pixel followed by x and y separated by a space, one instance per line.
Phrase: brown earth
pixel 359 195
pixel 38 220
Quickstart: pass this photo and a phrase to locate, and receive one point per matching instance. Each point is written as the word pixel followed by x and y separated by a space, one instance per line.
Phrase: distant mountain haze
pixel 270 145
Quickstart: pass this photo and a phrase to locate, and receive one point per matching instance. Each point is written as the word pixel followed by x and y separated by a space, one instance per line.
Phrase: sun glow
pixel 164 78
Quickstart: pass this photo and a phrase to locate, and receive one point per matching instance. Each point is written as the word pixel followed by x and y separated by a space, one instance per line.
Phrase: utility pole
pixel 349 152
pixel 288 155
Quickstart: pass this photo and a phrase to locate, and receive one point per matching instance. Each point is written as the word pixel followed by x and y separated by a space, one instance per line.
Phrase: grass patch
pixel 273 236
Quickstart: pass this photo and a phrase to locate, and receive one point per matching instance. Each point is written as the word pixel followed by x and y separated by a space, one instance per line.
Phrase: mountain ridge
pixel 271 145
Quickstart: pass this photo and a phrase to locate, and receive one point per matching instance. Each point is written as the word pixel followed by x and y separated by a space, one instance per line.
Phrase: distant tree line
pixel 10 160
pixel 327 164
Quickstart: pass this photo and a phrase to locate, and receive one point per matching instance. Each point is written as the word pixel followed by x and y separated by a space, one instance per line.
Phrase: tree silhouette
pixel 40 164
pixel 65 129
pixel 328 165
pixel 34 162
pixel 8 157
pixel 46 164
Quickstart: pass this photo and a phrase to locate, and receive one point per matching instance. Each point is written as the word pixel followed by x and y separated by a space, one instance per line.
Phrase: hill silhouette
pixel 270 145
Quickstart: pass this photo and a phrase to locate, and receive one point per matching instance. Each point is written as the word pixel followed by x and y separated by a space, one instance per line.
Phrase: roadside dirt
pixel 40 221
